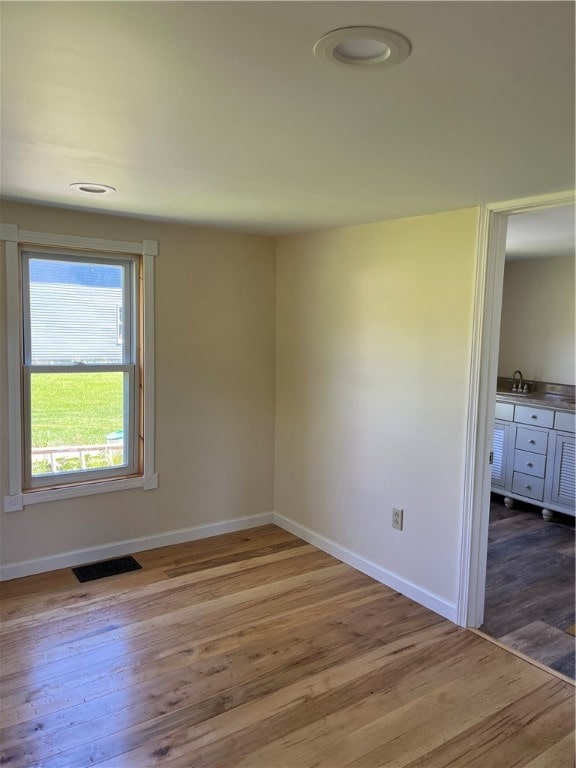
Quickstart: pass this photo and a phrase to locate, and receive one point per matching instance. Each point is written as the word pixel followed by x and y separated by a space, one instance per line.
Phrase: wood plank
pixel 558 755
pixel 199 695
pixel 91 600
pixel 213 659
pixel 73 635
pixel 288 607
pixel 255 649
pixel 412 703
pixel 63 693
pixel 48 589
pixel 253 710
pixel 530 584
pixel 525 727
pixel 546 643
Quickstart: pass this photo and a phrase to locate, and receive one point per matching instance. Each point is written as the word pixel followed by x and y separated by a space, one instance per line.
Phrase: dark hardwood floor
pixel 256 649
pixel 530 584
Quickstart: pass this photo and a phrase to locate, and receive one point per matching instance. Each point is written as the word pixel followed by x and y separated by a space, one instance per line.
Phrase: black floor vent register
pixel 106 568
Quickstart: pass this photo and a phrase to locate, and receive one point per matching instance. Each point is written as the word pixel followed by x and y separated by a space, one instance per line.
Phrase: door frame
pixel 483 371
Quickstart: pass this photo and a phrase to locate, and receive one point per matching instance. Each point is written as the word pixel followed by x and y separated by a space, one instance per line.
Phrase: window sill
pixel 17 502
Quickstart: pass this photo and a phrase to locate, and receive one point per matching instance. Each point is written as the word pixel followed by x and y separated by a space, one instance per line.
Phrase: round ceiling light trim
pixel 89 188
pixel 370 47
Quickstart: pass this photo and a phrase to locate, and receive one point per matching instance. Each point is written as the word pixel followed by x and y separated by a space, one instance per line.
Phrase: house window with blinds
pixel 81 328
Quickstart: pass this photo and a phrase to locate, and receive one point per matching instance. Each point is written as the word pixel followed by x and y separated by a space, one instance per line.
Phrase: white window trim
pixel 130 367
pixel 15 238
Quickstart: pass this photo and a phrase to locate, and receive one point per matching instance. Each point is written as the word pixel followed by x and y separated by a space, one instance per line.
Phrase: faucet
pixel 517 386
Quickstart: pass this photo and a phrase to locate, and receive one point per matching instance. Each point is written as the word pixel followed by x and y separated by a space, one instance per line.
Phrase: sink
pixel 534 395
pixel 550 399
pixel 549 396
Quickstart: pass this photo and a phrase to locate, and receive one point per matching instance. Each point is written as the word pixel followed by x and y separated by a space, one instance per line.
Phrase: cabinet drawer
pixel 539 417
pixel 527 485
pixel 532 440
pixel 504 411
pixel 564 421
pixel 529 463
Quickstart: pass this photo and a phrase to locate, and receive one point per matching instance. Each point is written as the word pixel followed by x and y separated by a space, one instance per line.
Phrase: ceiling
pixel 547 233
pixel 217 113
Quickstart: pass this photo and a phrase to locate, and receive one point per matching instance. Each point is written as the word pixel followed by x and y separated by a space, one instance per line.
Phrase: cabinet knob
pixel 534 416
pixel 529 487
pixel 529 464
pixel 532 442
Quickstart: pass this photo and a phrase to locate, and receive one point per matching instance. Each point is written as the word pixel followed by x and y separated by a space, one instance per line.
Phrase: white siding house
pixel 75 313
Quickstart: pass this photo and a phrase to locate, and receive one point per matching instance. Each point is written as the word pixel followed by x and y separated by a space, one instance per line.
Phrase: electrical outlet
pixel 397 518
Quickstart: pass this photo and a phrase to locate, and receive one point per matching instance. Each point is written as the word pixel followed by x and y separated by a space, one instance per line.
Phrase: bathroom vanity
pixel 533 455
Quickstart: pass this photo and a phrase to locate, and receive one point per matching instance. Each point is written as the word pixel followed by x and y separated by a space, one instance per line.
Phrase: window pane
pixel 78 421
pixel 76 312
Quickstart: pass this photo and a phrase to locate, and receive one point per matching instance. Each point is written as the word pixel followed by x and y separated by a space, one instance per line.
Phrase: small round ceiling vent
pixel 92 189
pixel 362 47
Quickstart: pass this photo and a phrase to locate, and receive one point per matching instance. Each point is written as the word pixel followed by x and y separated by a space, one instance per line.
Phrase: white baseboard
pixel 129 546
pixel 370 568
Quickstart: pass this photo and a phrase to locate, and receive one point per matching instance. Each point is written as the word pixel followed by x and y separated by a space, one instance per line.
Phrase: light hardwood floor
pixel 256 649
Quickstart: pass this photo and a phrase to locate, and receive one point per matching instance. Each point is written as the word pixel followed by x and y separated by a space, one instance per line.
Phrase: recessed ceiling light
pixel 92 189
pixel 362 47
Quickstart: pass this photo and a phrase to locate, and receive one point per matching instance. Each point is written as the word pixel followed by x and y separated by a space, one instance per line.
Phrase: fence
pixel 64 458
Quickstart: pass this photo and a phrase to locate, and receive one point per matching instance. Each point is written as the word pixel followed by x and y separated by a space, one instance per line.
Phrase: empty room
pixel 252 284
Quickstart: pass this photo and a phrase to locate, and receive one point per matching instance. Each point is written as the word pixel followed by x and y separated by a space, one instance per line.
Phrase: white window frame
pixel 129 367
pixel 17 240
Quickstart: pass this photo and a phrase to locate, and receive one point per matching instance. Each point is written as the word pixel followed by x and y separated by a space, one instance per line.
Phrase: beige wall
pixel 372 362
pixel 537 331
pixel 372 358
pixel 214 389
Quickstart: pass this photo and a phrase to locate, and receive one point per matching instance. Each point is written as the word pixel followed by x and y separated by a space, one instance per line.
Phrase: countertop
pixel 541 399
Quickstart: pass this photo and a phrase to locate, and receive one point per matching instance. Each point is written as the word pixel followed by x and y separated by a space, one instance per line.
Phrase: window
pixel 80 366
pixel 80 404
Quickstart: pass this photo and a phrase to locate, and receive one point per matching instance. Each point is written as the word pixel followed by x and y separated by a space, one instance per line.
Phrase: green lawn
pixel 75 408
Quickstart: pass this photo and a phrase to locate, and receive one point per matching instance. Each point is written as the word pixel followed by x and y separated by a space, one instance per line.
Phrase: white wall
pixel 537 333
pixel 214 390
pixel 372 362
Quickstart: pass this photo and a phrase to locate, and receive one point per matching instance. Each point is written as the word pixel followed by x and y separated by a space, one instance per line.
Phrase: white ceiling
pixel 548 233
pixel 217 113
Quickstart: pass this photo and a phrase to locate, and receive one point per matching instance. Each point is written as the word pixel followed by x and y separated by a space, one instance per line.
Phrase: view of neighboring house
pixel 88 307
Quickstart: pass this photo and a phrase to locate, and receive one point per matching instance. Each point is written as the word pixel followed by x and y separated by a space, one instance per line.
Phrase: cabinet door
pixel 500 453
pixel 563 491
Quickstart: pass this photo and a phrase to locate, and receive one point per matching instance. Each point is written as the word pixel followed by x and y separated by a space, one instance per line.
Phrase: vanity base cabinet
pixel 535 464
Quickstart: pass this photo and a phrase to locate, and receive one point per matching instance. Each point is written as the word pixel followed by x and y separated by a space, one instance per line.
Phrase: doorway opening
pixel 495 222
pixel 529 604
